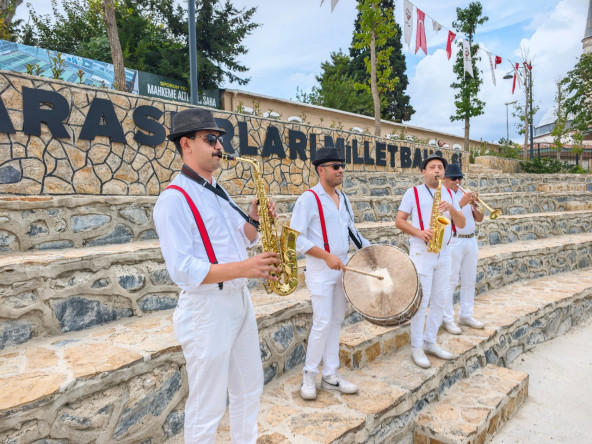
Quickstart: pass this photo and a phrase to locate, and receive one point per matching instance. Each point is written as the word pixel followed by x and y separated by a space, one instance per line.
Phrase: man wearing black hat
pixel 464 252
pixel 433 268
pixel 204 238
pixel 325 221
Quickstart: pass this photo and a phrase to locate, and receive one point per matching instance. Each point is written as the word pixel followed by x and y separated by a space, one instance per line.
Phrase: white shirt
pixel 467 210
pixel 426 201
pixel 306 220
pixel 181 243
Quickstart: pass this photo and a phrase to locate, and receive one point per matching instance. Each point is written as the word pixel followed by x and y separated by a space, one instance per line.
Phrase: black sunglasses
pixel 454 179
pixel 211 138
pixel 335 166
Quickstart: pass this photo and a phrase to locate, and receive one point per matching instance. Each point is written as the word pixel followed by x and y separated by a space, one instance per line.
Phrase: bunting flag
pixel 437 26
pixel 408 26
pixel 420 36
pixel 492 68
pixel 467 59
pixel 451 37
pixel 498 61
pixel 333 4
pixel 514 81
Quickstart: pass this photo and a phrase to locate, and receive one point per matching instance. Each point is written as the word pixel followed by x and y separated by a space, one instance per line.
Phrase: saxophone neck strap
pixel 355 237
pixel 452 223
pixel 200 226
pixel 322 218
pixel 218 191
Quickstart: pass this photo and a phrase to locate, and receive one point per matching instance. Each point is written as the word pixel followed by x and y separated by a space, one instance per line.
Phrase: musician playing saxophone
pixel 203 238
pixel 421 203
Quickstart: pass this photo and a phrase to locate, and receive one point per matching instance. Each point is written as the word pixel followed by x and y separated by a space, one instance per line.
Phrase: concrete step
pixel 474 409
pixel 58 222
pixel 48 293
pixel 124 381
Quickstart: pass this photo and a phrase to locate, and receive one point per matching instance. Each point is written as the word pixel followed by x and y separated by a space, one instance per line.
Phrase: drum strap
pixel 418 208
pixel 200 226
pixel 322 217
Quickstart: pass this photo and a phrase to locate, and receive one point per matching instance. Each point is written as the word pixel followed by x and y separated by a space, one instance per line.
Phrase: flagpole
pixel 192 52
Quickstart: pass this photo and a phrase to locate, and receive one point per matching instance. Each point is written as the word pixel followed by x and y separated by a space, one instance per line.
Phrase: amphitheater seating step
pixel 50 379
pixel 474 409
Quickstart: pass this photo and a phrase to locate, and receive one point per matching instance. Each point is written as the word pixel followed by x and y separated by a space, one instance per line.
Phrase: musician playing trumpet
pixel 433 268
pixel 464 252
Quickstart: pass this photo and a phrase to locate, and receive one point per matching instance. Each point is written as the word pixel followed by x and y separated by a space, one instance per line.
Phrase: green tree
pixel 560 129
pixel 578 90
pixel 395 102
pixel 466 101
pixel 336 88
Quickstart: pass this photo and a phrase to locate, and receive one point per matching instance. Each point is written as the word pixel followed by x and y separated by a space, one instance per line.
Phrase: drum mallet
pixel 355 270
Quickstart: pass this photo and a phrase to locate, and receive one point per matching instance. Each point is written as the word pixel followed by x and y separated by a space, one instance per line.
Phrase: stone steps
pixel 58 222
pixel 474 409
pixel 101 383
pixel 48 293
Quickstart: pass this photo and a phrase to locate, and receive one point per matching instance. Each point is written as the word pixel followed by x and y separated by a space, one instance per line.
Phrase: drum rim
pixel 404 315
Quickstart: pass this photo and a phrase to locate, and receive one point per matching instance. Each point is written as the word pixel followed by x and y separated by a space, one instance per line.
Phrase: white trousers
pixel 328 311
pixel 218 334
pixel 464 253
pixel 434 272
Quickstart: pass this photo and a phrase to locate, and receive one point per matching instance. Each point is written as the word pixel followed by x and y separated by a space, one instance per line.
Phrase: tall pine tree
pixel 395 103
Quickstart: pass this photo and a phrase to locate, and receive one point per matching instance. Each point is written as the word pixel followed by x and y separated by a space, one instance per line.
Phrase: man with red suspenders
pixel 325 221
pixel 204 238
pixel 433 268
pixel 464 253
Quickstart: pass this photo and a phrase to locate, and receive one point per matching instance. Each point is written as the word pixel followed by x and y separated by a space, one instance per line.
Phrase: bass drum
pixel 387 302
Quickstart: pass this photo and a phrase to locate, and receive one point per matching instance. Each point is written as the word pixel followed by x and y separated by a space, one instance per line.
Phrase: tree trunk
pixel 116 54
pixel 373 82
pixel 467 128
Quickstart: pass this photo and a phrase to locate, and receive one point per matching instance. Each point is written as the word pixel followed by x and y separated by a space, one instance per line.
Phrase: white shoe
pixel 420 358
pixel 309 386
pixel 451 327
pixel 337 382
pixel 434 350
pixel 471 322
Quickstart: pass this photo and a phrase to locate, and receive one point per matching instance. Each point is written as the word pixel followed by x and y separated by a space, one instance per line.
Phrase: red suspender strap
pixel 418 208
pixel 200 225
pixel 453 227
pixel 322 217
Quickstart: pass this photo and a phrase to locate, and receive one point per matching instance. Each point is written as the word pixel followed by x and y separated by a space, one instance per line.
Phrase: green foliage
pixel 546 165
pixel 508 149
pixel 56 64
pixel 80 75
pixel 560 129
pixel 466 101
pixel 153 35
pixel 341 73
pixel 33 69
pixel 578 89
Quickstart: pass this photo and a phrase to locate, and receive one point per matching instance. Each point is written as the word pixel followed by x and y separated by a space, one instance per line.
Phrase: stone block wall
pixel 62 138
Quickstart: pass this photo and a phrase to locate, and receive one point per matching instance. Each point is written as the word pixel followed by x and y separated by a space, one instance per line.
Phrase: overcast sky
pixel 296 36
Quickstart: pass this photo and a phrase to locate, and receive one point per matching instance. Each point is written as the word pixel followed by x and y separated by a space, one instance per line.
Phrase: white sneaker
pixel 337 382
pixel 451 327
pixel 420 358
pixel 433 349
pixel 471 322
pixel 309 386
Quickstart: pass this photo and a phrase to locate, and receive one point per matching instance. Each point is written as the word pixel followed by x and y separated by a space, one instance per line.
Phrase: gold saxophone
pixel 438 222
pixel 285 247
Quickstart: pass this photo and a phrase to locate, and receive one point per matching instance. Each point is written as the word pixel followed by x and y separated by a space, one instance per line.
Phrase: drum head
pixel 387 301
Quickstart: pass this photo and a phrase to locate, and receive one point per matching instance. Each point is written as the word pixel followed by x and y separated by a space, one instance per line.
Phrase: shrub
pixel 546 165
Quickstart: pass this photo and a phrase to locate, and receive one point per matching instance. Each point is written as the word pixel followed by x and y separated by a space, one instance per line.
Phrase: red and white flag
pixel 498 60
pixel 451 37
pixel 420 36
pixel 514 81
pixel 408 25
pixel 437 26
pixel 467 59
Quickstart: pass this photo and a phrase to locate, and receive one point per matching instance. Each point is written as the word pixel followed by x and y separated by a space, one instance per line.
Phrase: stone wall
pixel 63 138
pixel 498 163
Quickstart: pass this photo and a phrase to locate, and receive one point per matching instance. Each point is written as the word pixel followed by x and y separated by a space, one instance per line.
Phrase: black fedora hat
pixel 430 158
pixel 453 170
pixel 327 154
pixel 191 120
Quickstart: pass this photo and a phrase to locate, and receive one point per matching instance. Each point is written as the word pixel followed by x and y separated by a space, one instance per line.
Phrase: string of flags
pixel 421 43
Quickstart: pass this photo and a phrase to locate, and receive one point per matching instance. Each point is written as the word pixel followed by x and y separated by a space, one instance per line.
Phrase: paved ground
pixel 559 406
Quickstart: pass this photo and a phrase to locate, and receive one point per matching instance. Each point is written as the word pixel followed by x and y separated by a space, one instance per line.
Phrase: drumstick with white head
pixel 355 270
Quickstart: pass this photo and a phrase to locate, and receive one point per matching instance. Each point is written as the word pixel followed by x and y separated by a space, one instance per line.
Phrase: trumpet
pixel 481 206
